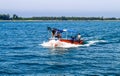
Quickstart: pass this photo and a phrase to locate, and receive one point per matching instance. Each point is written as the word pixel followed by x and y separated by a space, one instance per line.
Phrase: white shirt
pixel 79 36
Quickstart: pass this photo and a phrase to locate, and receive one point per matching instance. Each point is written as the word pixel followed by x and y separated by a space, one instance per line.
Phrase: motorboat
pixel 62 38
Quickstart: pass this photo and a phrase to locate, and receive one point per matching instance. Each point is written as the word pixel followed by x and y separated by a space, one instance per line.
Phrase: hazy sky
pixel 29 8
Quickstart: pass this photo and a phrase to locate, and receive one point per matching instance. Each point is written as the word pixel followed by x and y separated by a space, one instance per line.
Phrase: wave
pixel 93 42
pixel 18 47
pixel 14 47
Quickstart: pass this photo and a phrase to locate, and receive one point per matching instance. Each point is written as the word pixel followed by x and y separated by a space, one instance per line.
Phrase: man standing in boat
pixel 79 37
pixel 53 32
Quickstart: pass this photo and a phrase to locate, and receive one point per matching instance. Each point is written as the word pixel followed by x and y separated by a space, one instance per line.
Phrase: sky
pixel 81 8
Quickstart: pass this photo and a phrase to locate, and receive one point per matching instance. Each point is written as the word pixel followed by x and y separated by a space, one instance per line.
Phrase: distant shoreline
pixel 14 17
pixel 49 20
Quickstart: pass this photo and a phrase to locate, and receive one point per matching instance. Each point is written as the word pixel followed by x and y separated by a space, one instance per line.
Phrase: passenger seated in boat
pixel 79 37
pixel 73 39
pixel 58 35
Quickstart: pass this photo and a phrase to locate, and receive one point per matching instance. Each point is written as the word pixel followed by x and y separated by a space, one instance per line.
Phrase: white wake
pixel 93 42
pixel 59 44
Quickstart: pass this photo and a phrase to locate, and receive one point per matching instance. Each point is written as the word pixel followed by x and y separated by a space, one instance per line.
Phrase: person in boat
pixel 58 35
pixel 79 37
pixel 53 32
pixel 73 39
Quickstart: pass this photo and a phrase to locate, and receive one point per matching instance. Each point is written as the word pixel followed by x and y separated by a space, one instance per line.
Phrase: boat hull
pixel 72 42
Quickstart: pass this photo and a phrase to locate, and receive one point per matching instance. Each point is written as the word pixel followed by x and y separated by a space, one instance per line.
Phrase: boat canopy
pixel 67 30
pixel 62 30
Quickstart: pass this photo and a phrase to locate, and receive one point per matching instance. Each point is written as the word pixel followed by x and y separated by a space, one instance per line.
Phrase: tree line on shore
pixel 16 17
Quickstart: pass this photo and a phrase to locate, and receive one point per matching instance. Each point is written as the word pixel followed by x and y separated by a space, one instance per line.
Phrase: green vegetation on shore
pixel 16 17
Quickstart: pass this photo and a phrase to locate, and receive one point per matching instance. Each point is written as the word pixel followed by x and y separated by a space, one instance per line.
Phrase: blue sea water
pixel 22 54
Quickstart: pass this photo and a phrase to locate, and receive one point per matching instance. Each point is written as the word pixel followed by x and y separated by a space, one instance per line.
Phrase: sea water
pixel 22 54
